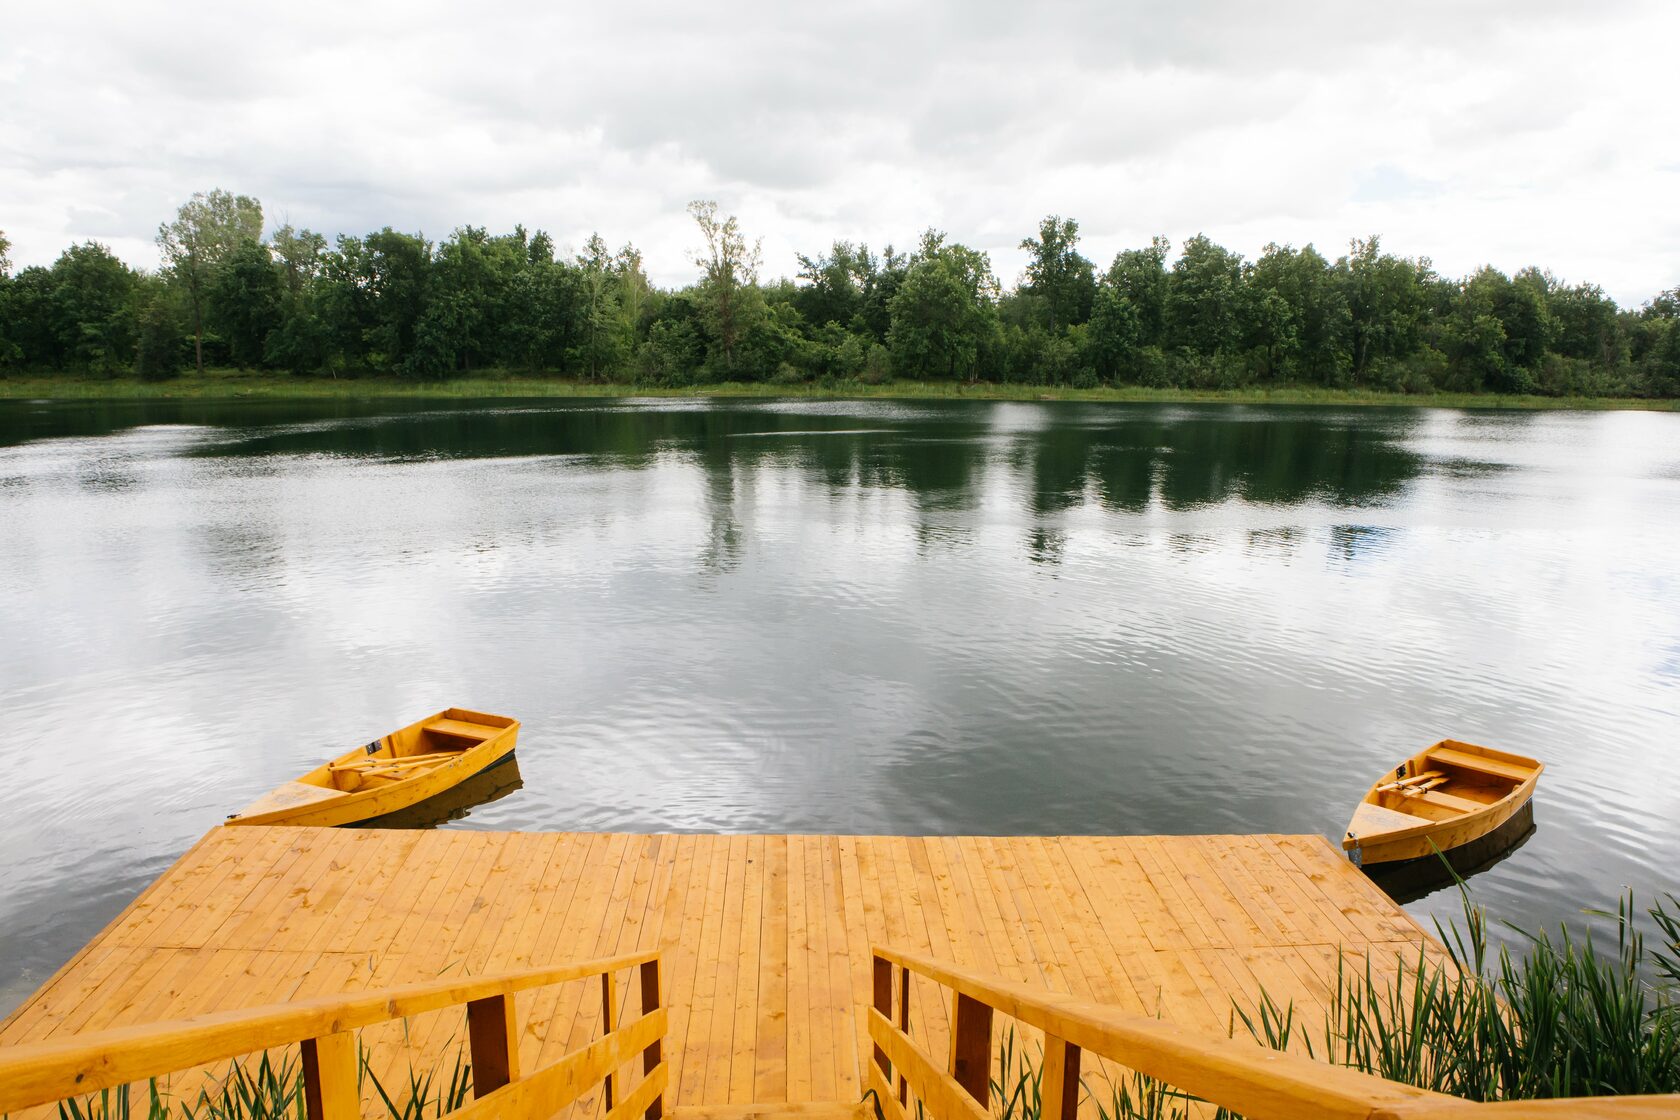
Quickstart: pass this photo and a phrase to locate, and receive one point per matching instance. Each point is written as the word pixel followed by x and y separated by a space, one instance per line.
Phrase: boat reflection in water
pixel 457 801
pixel 1413 879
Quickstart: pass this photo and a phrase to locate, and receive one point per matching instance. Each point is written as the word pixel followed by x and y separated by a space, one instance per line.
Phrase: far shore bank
pixel 237 385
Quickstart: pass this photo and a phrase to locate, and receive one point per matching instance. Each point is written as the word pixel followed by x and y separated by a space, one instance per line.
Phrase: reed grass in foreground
pixel 1567 1018
pixel 270 1089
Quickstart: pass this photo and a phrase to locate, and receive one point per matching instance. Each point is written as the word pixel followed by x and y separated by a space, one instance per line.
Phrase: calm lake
pixel 830 616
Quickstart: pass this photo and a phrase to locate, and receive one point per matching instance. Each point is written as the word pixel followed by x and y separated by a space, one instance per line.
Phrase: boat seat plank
pixel 461 729
pixel 1449 801
pixel 1467 761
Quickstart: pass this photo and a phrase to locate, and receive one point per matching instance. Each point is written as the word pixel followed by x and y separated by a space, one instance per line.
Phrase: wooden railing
pixel 1242 1076
pixel 44 1072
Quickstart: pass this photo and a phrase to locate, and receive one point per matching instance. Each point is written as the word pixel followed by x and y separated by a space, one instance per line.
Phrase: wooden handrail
pixel 43 1072
pixel 1250 1079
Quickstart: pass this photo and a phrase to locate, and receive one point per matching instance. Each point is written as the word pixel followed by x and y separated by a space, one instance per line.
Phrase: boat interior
pixel 410 752
pixel 1445 781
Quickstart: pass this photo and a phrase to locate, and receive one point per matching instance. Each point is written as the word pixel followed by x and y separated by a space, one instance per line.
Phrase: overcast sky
pixel 1509 132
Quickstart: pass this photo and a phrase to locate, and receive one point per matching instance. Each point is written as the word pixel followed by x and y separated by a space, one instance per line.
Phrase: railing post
pixel 609 1023
pixel 971 1046
pixel 883 1004
pixel 1059 1093
pixel 329 1077
pixel 651 1055
pixel 493 1041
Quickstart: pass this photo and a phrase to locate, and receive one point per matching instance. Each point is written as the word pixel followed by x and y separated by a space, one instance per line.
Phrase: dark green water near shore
pixel 828 616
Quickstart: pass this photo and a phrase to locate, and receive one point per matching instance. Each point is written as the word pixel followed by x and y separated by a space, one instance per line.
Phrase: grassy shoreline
pixel 237 385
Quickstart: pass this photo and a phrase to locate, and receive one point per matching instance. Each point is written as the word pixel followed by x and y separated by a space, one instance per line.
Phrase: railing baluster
pixel 1059 1092
pixel 971 1046
pixel 493 1042
pixel 329 1077
pixel 903 1025
pixel 609 1021
pixel 651 1055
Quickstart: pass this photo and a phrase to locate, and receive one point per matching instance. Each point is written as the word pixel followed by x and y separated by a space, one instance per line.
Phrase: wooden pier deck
pixel 766 938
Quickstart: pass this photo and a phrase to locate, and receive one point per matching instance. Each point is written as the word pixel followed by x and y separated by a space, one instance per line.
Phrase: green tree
pixel 542 323
pixel 1298 317
pixel 635 291
pixel 1202 309
pixel 944 312
pixel 1111 343
pixel 301 340
pixel 10 351
pixel 391 269
pixel 245 302
pixel 1056 273
pixel 301 254
pixel 29 319
pixel 1474 337
pixel 1523 306
pixel 1140 277
pixel 729 299
pixel 836 287
pixel 1387 299
pixel 1588 324
pixel 1659 321
pixel 159 350
pixel 601 341
pixel 92 308
pixel 206 230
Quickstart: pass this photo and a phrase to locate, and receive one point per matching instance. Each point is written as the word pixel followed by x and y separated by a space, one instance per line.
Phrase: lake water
pixel 830 616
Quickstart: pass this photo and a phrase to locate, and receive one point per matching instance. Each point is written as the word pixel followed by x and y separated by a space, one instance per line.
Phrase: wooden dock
pixel 766 938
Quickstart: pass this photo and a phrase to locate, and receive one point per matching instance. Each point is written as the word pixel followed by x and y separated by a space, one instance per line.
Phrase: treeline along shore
pixel 399 306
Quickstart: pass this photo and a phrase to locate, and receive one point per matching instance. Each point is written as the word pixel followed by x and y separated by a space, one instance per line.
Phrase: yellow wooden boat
pixel 1437 800
pixel 402 769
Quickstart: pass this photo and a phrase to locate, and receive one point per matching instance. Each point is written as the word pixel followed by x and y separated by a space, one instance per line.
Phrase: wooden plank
pixel 821 999
pixel 770 1082
pixel 698 1046
pixel 680 945
pixel 747 977
pixel 799 1073
pixel 854 960
pixel 722 994
pixel 842 1012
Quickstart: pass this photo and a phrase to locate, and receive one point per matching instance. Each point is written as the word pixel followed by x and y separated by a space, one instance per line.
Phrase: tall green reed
pixel 265 1087
pixel 1569 1016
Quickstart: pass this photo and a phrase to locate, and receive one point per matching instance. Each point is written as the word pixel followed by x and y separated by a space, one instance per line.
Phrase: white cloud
pixel 1475 131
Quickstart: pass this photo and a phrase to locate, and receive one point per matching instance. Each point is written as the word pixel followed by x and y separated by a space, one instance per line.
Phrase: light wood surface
pixel 766 939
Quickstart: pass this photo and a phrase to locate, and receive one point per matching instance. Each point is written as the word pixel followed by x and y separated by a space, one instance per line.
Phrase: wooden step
pixel 806 1110
pixel 1467 761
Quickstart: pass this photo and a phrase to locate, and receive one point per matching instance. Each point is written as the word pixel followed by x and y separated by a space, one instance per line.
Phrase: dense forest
pixel 394 303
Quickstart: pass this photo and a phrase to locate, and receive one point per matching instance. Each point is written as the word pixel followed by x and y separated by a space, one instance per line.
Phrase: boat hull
pixel 315 800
